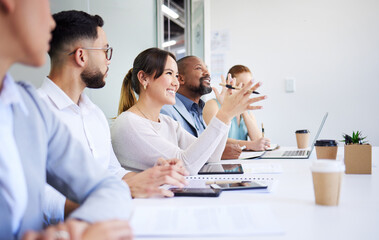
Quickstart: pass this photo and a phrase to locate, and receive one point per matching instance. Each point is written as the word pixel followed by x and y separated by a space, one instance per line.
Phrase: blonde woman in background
pixel 243 125
pixel 140 134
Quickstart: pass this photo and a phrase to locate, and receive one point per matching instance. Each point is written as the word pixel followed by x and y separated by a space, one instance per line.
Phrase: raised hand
pixel 236 102
pixel 220 96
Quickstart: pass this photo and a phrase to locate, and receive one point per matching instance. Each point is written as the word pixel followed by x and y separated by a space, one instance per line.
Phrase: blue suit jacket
pixel 49 153
pixel 180 113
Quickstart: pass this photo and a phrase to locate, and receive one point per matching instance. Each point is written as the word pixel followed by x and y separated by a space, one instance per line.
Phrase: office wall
pixel 331 50
pixel 130 27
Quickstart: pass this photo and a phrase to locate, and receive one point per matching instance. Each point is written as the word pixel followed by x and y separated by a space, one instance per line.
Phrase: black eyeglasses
pixel 108 51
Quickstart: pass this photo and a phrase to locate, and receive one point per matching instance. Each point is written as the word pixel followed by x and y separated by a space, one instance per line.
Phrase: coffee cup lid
pixel 302 131
pixel 326 143
pixel 323 165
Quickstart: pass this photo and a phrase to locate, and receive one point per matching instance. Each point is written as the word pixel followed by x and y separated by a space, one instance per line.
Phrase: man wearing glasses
pixel 80 55
pixel 36 147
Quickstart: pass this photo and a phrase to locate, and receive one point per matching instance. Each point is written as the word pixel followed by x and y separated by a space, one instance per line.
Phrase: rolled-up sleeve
pixel 71 171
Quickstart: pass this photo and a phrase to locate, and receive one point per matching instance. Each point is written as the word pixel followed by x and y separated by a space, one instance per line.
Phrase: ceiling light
pixel 169 12
pixel 168 44
pixel 180 51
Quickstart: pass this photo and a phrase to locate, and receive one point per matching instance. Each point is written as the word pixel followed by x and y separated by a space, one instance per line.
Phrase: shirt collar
pixel 10 94
pixel 188 103
pixel 60 98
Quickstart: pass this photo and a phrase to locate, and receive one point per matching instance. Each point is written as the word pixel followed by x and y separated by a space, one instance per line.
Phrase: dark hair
pixel 237 69
pixel 182 63
pixel 152 62
pixel 72 26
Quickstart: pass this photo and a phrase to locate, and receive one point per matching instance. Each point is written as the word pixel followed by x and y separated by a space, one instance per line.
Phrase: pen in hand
pixel 236 88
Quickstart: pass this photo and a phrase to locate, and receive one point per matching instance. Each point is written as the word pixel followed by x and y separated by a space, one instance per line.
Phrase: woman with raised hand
pixel 140 134
pixel 243 125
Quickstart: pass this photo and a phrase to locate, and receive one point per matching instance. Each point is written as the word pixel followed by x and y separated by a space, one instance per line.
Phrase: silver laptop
pixel 295 153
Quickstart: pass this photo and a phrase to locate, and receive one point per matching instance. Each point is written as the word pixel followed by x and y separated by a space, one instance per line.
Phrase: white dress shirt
pixel 89 125
pixel 12 179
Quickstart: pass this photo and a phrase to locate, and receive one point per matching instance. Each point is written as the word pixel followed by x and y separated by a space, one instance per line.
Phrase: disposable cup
pixel 302 138
pixel 327 179
pixel 326 149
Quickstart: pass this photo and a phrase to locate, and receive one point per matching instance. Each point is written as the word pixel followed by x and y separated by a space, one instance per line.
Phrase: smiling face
pixel 195 77
pixel 163 89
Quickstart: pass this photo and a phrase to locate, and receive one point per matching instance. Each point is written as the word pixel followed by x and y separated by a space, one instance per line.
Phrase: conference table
pixel 292 202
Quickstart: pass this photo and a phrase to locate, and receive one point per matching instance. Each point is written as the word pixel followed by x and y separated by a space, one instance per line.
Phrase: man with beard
pixel 36 147
pixel 195 81
pixel 80 55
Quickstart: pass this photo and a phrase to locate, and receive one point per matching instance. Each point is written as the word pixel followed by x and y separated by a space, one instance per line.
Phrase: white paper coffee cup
pixel 327 179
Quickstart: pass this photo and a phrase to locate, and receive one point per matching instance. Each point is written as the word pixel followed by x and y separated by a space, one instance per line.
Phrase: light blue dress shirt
pixel 12 180
pixel 49 153
pixel 89 126
pixel 196 111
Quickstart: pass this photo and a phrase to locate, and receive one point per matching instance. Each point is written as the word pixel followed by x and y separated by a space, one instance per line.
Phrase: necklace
pixel 144 114
pixel 156 126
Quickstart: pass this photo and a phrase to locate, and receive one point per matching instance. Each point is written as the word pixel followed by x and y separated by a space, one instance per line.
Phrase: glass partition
pixel 180 28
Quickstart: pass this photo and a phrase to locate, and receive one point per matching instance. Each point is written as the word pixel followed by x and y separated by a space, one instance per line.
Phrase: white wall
pixel 130 27
pixel 331 48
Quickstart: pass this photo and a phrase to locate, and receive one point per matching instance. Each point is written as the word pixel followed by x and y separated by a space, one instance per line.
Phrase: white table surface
pixel 292 202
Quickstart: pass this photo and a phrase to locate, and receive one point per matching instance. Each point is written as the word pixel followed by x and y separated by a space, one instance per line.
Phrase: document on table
pixel 273 146
pixel 195 221
pixel 257 154
pixel 262 168
pixel 250 155
pixel 255 167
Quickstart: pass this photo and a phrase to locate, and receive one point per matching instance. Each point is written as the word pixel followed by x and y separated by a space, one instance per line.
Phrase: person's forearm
pixel 219 151
pixel 241 143
pixel 224 117
pixel 252 127
pixel 206 146
pixel 128 176
pixel 127 179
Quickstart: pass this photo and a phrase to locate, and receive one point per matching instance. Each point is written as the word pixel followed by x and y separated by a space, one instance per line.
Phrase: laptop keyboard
pixel 295 153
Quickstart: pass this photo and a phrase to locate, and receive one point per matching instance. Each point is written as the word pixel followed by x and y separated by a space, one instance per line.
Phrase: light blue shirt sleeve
pixel 53 206
pixel 12 180
pixel 71 171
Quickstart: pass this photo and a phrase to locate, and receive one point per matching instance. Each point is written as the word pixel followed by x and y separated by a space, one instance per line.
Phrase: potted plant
pixel 357 154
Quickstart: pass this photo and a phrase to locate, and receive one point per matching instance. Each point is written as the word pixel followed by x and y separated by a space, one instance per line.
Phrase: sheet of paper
pixel 250 155
pixel 273 146
pixel 257 154
pixel 192 221
pixel 262 168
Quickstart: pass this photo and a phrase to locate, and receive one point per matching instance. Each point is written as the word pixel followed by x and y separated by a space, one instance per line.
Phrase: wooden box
pixel 358 159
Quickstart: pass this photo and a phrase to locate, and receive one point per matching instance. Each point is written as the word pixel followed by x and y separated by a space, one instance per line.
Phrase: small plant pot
pixel 358 158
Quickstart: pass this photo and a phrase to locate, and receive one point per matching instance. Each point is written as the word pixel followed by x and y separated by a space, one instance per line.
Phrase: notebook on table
pixel 294 153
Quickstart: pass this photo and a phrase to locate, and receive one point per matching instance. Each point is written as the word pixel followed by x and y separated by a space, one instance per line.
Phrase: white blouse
pixel 139 142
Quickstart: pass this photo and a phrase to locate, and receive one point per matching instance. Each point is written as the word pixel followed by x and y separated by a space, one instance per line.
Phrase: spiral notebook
pixel 203 181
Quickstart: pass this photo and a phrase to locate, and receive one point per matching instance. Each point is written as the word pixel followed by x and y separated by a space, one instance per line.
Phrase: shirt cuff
pixel 121 172
pixel 53 206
